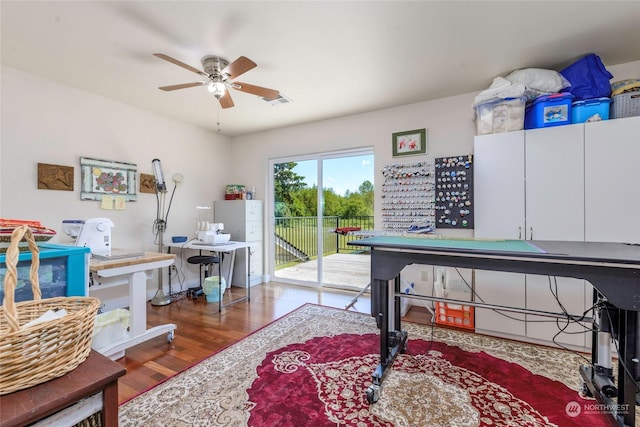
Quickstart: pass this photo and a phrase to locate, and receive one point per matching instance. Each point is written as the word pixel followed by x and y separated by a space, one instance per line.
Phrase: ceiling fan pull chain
pixel 218 118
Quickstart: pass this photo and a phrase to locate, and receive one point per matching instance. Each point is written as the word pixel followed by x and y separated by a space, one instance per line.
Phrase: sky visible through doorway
pixel 341 174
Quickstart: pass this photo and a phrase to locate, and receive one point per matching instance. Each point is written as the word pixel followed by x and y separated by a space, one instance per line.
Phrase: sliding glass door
pixel 316 201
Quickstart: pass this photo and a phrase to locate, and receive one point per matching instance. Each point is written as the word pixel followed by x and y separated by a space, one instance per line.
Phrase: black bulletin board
pixel 454 192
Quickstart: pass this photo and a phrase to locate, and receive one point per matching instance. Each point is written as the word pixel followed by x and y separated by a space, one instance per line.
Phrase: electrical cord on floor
pixel 501 313
pixel 179 273
pixel 181 294
pixel 479 298
pixel 570 319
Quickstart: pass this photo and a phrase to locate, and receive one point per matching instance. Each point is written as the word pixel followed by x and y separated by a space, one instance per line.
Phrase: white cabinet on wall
pixel 576 182
pixel 612 181
pixel 554 190
pixel 498 179
pixel 499 206
pixel 554 194
pixel 535 182
pixel 243 220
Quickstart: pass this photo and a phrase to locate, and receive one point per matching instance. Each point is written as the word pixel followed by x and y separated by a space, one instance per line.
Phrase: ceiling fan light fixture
pixel 220 74
pixel 217 89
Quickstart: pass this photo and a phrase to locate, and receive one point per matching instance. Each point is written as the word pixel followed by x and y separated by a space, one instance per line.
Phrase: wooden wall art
pixel 55 177
pixel 147 183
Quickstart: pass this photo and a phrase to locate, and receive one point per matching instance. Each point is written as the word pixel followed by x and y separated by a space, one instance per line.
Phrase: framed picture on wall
pixel 409 142
pixel 107 178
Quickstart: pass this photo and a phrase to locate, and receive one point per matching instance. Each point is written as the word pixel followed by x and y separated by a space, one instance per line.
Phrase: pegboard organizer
pixel 408 195
pixel 454 192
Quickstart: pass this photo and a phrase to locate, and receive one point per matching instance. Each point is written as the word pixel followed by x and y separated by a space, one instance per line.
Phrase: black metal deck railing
pixel 297 237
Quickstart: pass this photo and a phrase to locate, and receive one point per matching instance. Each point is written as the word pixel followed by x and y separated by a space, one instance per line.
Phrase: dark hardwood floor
pixel 202 330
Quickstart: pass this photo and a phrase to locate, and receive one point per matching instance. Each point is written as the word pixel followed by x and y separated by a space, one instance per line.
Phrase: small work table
pixel 221 248
pixel 132 272
pixel 91 387
pixel 612 268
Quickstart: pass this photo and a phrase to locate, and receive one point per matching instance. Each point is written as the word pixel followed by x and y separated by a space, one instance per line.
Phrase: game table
pixel 612 268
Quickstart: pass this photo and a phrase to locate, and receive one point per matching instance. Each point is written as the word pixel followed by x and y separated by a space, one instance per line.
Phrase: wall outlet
pixel 424 275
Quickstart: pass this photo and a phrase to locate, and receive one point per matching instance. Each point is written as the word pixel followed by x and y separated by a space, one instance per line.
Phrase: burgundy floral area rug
pixel 312 367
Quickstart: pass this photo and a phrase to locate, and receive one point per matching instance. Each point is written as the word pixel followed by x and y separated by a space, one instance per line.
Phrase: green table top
pixel 462 244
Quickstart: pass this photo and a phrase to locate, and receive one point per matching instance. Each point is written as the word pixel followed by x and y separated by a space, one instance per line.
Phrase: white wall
pixel 46 122
pixel 451 129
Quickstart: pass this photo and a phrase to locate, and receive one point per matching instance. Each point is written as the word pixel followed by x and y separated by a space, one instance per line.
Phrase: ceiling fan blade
pixel 226 101
pixel 239 66
pixel 180 64
pixel 256 90
pixel 182 86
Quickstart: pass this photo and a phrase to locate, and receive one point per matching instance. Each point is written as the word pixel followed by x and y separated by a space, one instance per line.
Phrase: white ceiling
pixel 332 58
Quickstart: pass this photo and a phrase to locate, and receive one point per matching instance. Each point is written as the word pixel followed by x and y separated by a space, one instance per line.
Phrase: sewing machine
pixel 211 234
pixel 94 233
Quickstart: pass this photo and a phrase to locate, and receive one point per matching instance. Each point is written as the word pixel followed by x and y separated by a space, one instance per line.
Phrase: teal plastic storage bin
pixel 63 272
pixel 581 111
pixel 547 111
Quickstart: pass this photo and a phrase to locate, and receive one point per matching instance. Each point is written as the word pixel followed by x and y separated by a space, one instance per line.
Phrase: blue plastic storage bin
pixel 63 272
pixel 547 111
pixel 581 111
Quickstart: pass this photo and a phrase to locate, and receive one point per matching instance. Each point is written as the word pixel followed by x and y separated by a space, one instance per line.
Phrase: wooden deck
pixel 344 270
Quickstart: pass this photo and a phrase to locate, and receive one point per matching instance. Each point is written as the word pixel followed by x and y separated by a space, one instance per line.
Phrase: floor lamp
pixel 160 224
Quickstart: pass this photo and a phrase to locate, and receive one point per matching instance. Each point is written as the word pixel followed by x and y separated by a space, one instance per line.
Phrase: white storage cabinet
pixel 499 201
pixel 243 220
pixel 529 185
pixel 576 182
pixel 612 180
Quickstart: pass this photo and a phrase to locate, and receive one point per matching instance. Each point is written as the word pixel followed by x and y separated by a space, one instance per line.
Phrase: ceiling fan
pixel 220 74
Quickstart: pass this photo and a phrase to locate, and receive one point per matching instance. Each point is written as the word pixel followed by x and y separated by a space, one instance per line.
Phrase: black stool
pixel 207 262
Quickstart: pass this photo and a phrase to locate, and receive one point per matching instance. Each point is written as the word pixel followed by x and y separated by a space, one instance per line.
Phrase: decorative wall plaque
pixel 55 177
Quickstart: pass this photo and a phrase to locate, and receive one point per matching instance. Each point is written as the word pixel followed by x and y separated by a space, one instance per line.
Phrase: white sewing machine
pixel 94 233
pixel 212 234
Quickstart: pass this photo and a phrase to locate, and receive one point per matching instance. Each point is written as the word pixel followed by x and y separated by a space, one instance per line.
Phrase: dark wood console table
pixel 96 374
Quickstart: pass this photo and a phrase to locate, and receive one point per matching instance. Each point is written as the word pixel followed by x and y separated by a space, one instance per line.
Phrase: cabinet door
pixel 499 185
pixel 542 292
pixel 555 183
pixel 242 264
pixel 612 181
pixel 507 289
pixel 555 211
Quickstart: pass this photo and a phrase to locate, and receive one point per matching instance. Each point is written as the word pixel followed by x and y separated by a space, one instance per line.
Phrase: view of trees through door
pixel 310 244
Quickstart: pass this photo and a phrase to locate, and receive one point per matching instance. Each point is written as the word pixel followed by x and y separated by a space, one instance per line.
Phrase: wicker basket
pixel 626 104
pixel 44 351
